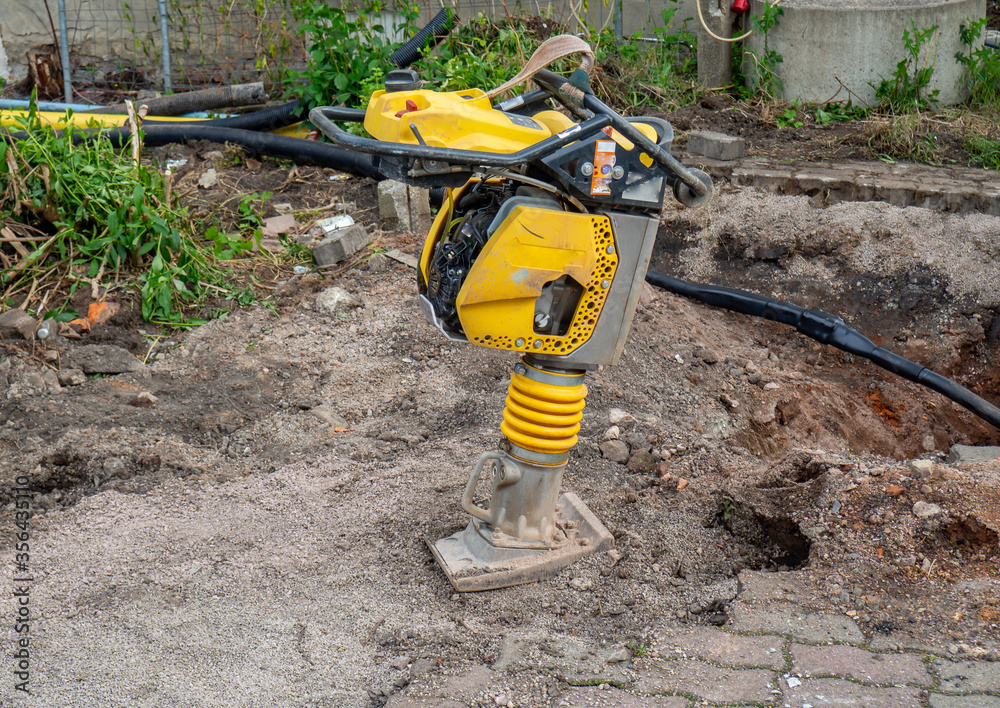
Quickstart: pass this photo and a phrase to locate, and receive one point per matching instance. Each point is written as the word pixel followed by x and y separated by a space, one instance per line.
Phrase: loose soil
pixel 310 450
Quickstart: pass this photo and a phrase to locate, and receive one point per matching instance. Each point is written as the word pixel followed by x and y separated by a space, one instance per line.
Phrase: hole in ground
pixel 763 541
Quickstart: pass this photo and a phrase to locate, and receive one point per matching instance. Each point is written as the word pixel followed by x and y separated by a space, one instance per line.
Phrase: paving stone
pixel 902 642
pixel 717 146
pixel 938 700
pixel 594 697
pixel 969 454
pixel 340 244
pixel 722 647
pixel 838 693
pixel 952 189
pixel 967 676
pixel 812 627
pixel 851 662
pixel 711 683
pixel 756 586
pixel 570 660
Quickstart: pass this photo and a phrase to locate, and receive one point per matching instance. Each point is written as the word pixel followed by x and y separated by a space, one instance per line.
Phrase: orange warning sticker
pixel 604 163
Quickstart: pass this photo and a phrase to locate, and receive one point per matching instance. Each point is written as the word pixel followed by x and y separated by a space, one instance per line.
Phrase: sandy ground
pixel 257 536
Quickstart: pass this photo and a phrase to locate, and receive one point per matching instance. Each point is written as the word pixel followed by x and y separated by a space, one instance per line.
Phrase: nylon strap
pixel 549 51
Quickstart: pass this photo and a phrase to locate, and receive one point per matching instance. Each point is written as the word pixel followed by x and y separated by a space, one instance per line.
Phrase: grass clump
pixel 82 211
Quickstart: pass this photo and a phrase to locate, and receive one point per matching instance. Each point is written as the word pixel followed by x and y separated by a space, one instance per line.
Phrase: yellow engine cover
pixel 464 120
pixel 532 247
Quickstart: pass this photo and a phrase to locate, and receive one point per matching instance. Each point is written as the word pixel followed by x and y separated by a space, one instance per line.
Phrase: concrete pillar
pixel 715 67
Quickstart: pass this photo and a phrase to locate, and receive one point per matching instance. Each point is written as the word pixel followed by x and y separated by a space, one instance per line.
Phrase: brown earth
pixel 751 447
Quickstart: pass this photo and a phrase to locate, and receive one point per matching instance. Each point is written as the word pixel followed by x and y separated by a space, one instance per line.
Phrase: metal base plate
pixel 472 564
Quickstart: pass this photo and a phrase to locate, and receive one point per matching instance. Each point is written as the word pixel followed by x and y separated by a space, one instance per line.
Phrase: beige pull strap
pixel 552 49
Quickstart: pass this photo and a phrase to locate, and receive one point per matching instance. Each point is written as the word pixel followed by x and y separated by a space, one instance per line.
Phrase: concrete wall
pixel 95 29
pixel 861 42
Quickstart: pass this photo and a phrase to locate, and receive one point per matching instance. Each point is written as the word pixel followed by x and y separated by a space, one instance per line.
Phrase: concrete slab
pixel 707 682
pixel 795 622
pixel 855 663
pixel 837 693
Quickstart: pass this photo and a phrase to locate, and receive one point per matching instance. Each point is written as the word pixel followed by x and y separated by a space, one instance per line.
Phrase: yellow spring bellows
pixel 542 417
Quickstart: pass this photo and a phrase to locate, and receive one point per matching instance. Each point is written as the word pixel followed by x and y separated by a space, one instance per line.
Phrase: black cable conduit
pixel 301 151
pixel 828 329
pixel 439 27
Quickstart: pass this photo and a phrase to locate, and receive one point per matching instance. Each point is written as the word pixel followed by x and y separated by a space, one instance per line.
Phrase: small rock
pixel 616 451
pixel 729 402
pixel 400 662
pixel 647 295
pixel 641 462
pixel 72 377
pixel 612 433
pixel 928 443
pixel 615 556
pixel 921 468
pixel 335 300
pixel 581 584
pixel 144 400
pixel 907 562
pixel 925 566
pixel 754 377
pixel 17 321
pixel 924 510
pixel 616 416
pixel 707 355
pixel 619 656
pixel 208 179
pixel 894 490
pixel 681 484
pixel 770 386
pixel 276 225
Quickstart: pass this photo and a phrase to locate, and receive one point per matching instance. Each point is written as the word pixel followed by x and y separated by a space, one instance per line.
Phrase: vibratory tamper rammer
pixel 541 247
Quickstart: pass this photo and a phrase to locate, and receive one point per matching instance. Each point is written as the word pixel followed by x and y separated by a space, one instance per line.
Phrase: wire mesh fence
pixel 119 44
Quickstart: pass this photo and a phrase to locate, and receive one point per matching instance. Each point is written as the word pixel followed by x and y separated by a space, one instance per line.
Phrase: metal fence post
pixel 64 53
pixel 165 40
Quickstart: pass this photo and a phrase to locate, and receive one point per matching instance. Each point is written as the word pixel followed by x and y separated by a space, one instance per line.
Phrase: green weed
pixel 88 212
pixel 984 150
pixel 344 53
pixel 907 90
pixel 789 119
pixel 983 64
pixel 763 77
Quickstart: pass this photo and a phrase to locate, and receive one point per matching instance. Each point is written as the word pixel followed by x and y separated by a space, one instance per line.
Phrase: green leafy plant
pixel 727 507
pixel 345 50
pixel 907 90
pixel 789 119
pixel 983 64
pixel 638 650
pixel 830 113
pixel 89 211
pixel 763 77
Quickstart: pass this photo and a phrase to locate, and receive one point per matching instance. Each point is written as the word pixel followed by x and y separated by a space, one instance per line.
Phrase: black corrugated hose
pixel 266 120
pixel 301 151
pixel 828 329
pixel 438 28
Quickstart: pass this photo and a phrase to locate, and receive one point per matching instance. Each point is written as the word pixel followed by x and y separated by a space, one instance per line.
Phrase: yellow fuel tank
pixel 464 120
